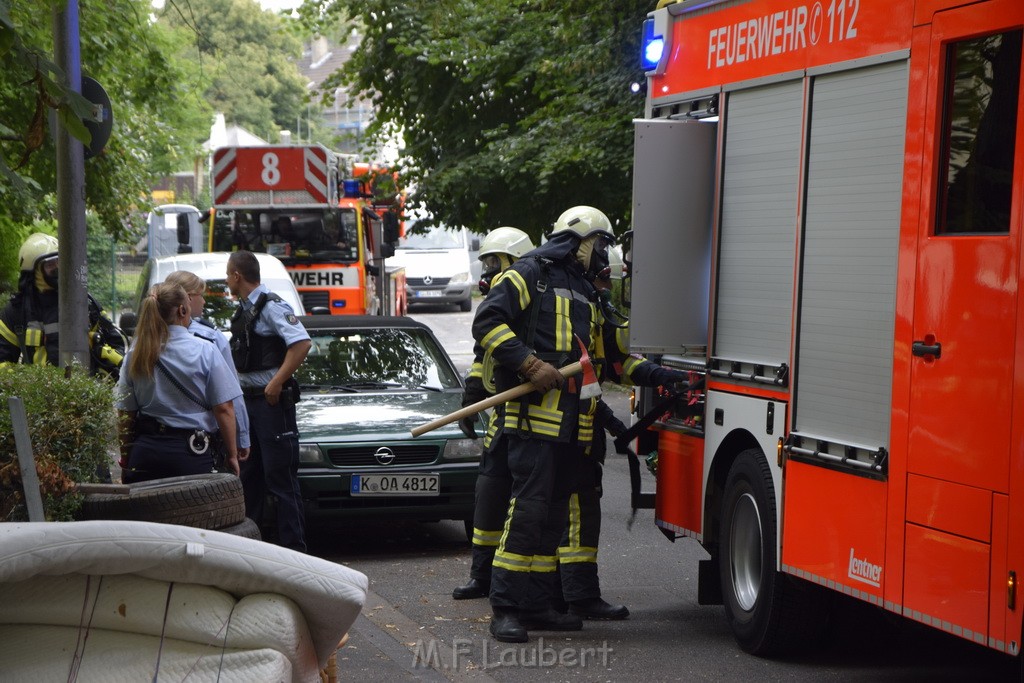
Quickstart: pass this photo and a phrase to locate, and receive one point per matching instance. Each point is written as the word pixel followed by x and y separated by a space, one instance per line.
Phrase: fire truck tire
pixel 769 612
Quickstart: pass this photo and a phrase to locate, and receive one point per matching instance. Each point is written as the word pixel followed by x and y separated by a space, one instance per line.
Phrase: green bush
pixel 72 426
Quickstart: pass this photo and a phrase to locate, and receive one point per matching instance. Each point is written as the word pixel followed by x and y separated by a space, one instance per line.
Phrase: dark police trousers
pixel 272 467
pixel 493 488
pixel 543 477
pixel 155 456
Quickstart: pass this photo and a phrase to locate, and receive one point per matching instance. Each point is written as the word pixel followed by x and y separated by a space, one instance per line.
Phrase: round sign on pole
pixel 100 130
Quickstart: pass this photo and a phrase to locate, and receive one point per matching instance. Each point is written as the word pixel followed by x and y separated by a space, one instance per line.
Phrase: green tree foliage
pixel 511 111
pixel 247 55
pixel 158 116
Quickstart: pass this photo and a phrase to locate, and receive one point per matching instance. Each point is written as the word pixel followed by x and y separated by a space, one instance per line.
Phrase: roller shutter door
pixel 760 184
pixel 847 303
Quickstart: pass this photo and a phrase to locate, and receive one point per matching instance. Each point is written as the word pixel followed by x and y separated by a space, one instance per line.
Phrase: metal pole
pixel 26 461
pixel 73 281
pixel 113 277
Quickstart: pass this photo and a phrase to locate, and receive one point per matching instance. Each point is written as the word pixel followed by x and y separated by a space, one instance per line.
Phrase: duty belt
pixel 149 425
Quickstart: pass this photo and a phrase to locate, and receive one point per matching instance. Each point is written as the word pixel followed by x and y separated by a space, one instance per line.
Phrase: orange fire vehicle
pixel 833 189
pixel 303 204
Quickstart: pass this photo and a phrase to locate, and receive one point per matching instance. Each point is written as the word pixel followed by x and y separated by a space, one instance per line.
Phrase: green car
pixel 367 381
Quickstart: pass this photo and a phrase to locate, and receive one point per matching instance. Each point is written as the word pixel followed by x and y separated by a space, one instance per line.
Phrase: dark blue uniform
pixel 273 463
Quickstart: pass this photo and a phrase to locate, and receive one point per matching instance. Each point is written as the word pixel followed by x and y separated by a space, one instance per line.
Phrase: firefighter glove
pixel 475 391
pixel 615 426
pixel 667 377
pixel 466 425
pixel 543 376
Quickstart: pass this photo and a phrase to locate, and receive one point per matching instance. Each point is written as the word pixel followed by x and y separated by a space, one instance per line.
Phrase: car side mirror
pixel 390 228
pixel 183 229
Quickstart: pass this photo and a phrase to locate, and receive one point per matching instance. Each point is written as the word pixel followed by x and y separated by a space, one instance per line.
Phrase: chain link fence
pixel 114 271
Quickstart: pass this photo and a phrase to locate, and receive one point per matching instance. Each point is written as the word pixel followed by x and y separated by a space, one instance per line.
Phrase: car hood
pixel 340 417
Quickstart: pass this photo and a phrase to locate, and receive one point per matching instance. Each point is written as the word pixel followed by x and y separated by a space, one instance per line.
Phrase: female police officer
pixel 195 288
pixel 176 392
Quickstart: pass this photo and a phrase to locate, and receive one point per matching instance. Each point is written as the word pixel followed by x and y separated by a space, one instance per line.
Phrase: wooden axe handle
pixel 507 395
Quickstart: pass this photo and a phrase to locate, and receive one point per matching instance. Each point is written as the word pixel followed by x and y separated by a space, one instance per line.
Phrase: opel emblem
pixel 384 455
pixel 427 280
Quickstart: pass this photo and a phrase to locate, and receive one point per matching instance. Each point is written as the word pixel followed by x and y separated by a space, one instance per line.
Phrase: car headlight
pixel 311 454
pixel 462 449
pixel 460 277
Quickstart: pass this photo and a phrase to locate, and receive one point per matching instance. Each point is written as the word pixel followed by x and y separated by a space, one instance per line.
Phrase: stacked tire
pixel 204 501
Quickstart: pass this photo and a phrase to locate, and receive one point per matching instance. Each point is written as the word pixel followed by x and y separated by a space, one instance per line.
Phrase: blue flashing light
pixel 338 303
pixel 351 188
pixel 651 47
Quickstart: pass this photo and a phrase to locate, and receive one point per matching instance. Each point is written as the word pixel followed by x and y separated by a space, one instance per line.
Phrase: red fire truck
pixel 827 219
pixel 302 204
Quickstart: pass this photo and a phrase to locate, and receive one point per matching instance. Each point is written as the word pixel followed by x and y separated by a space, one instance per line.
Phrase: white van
pixel 212 267
pixel 173 229
pixel 437 266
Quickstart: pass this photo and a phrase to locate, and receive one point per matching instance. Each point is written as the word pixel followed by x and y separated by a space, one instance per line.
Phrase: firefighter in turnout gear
pixel 500 249
pixel 530 322
pixel 577 553
pixel 29 325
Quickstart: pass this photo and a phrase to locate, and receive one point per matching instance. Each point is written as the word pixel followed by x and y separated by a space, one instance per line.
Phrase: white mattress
pixel 214 600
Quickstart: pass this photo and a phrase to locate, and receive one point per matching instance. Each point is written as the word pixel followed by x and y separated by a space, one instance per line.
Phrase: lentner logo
pixel 865 571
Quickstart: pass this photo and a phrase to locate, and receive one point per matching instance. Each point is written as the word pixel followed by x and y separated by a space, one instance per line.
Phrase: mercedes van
pixel 437 265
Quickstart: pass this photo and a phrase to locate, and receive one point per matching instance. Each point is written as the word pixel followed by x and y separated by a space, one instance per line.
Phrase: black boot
pixel 505 626
pixel 550 620
pixel 472 590
pixel 597 608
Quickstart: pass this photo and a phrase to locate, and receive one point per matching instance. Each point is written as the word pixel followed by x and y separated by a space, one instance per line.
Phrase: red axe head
pixel 591 387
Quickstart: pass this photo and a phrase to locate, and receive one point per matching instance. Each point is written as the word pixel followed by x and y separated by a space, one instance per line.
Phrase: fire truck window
pixel 979 125
pixel 349 232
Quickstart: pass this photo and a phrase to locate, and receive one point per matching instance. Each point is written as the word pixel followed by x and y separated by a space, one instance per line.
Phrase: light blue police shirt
pixel 221 342
pixel 276 318
pixel 198 367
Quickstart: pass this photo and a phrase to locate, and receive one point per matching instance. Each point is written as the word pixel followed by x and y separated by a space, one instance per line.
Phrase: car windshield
pixel 437 237
pixel 308 236
pixel 375 358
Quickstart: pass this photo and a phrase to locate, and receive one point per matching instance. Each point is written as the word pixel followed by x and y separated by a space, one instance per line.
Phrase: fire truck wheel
pixel 769 612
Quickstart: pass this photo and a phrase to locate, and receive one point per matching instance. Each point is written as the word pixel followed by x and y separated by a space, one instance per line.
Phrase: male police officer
pixel 268 343
pixel 29 324
pixel 500 249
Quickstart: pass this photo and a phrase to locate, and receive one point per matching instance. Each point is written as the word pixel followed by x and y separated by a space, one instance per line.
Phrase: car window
pixel 351 357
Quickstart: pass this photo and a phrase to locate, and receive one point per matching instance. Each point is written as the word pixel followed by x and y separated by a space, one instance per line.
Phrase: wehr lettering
pixel 318 278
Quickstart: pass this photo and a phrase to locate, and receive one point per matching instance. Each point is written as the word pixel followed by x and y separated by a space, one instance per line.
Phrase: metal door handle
pixel 920 348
